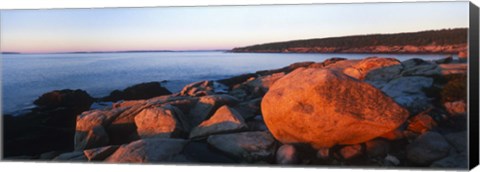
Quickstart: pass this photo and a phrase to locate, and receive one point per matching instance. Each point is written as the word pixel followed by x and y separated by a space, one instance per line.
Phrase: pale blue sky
pixel 221 27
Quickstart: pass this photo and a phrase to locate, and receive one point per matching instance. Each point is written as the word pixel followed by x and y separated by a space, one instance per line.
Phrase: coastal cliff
pixel 447 41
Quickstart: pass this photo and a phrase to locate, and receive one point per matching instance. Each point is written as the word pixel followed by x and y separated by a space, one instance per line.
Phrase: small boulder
pixel 421 123
pixel 427 148
pixel 456 108
pixel 148 151
pixel 287 154
pixel 408 92
pixel 324 108
pixel 249 109
pixel 96 137
pixel 77 99
pixel 160 122
pixel 207 105
pixel 99 154
pixel 419 67
pixel 361 69
pixel 248 146
pixel 201 88
pixel 351 151
pixel 224 120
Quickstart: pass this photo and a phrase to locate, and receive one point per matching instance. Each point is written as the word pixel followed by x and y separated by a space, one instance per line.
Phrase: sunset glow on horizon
pixel 213 28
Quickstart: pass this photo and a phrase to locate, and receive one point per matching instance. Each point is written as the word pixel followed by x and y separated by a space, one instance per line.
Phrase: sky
pixel 209 28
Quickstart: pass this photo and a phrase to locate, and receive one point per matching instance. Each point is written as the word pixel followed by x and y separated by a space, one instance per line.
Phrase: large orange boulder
pixel 324 108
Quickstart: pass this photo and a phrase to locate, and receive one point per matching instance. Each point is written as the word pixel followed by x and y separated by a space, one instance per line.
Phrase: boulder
pixel 76 99
pixel 381 76
pixel 139 91
pixel 90 128
pixel 458 141
pixel 201 88
pixel 71 156
pixel 287 154
pixel 408 92
pixel 454 161
pixel 324 108
pixel 207 105
pixel 421 123
pixel 249 109
pixel 351 151
pixel 445 60
pixel 123 129
pixel 148 151
pixel 248 146
pixel 96 137
pixel 99 154
pixel 163 122
pixel 260 85
pixel 361 69
pixel 427 148
pixel 200 151
pixel 231 82
pixel 224 120
pixel 456 108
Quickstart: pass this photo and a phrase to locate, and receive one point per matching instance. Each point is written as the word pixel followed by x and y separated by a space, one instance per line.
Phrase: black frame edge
pixel 473 56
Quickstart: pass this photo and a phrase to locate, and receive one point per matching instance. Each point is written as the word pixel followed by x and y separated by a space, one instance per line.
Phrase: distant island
pixel 448 41
pixel 124 51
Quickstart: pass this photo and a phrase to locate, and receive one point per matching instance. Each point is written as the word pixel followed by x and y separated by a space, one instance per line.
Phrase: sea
pixel 25 77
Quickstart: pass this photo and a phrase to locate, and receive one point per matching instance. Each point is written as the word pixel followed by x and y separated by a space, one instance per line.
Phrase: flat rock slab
pixel 148 151
pixel 323 108
pixel 225 119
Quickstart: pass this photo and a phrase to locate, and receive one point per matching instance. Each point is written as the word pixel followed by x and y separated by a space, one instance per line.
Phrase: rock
pixel 123 129
pixel 259 86
pixel 377 148
pixel 201 88
pixel 96 137
pixel 77 99
pixel 99 154
pixel 71 156
pixel 257 125
pixel 452 69
pixel 445 60
pixel 462 56
pixel 327 62
pixel 458 140
pixel 421 123
pixel 391 160
pixel 456 108
pixel 200 151
pixel 367 65
pixel 49 155
pixel 230 82
pixel 287 154
pixel 249 146
pixel 381 76
pixel 249 109
pixel 323 153
pixel 427 148
pixel 148 151
pixel 393 135
pixel 408 92
pixel 163 122
pixel 324 108
pixel 207 105
pixel 224 120
pixel 351 151
pixel 419 67
pixel 90 128
pixel 139 91
pixel 456 161
pixel 128 103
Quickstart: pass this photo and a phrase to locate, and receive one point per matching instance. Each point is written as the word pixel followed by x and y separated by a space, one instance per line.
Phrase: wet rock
pixel 163 122
pixel 99 154
pixel 224 120
pixel 139 91
pixel 287 154
pixel 248 146
pixel 207 105
pixel 427 148
pixel 324 108
pixel 148 151
pixel 77 99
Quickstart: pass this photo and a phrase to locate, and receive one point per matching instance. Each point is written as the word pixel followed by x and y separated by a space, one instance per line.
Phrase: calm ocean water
pixel 27 76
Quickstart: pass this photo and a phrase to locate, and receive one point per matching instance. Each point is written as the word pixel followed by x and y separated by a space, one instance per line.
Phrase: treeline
pixel 423 38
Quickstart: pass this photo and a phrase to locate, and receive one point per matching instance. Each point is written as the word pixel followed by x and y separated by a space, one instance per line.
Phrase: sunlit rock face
pixel 323 108
pixel 225 119
pixel 148 151
pixel 163 122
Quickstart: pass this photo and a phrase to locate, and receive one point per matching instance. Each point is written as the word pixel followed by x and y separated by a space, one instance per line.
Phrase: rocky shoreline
pixel 376 112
